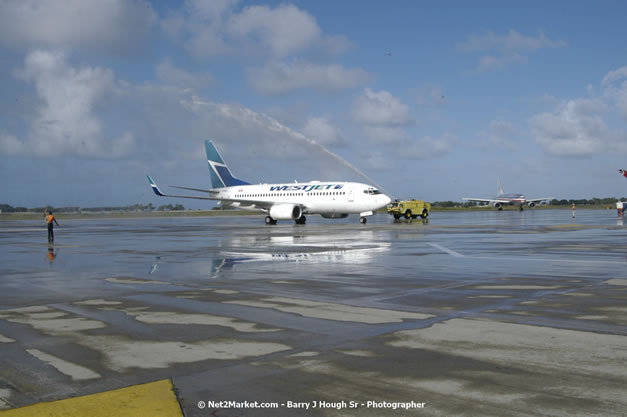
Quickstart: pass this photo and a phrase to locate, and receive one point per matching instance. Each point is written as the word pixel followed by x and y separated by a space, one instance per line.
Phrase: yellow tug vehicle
pixel 409 209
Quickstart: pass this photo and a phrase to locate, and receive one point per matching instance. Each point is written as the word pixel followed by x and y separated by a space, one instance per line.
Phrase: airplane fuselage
pixel 314 197
pixel 515 199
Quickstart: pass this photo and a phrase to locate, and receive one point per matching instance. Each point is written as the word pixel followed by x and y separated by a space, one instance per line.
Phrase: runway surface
pixel 469 313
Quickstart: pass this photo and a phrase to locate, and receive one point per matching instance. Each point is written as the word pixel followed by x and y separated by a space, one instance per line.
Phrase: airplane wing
pixel 240 203
pixel 193 189
pixel 264 206
pixel 160 194
pixel 247 204
pixel 486 200
pixel 533 200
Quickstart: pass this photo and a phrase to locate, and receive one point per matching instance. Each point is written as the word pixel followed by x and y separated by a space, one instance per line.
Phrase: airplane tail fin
pixel 220 174
pixel 499 184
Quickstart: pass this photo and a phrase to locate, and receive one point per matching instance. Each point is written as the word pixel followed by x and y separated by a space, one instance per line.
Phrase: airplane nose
pixel 386 199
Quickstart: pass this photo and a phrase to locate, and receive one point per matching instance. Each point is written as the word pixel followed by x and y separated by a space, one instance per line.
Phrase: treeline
pixel 6 208
pixel 609 201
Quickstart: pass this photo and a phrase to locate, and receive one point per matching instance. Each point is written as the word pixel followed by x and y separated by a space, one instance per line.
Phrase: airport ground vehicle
pixel 409 209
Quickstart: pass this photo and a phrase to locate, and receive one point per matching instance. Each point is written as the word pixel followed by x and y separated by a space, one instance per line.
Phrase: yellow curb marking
pixel 155 399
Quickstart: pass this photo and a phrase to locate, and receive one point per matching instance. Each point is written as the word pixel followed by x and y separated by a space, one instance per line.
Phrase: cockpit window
pixel 372 191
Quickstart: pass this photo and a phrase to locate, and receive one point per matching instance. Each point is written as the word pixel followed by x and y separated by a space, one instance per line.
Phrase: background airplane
pixel 513 199
pixel 332 199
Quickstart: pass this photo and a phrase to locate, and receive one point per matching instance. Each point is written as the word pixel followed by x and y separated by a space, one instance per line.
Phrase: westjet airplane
pixel 331 200
pixel 514 199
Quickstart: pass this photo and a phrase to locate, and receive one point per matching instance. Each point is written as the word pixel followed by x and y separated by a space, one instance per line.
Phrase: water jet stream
pixel 240 113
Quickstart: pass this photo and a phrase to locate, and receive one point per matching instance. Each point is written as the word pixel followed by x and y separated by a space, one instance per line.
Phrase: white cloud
pixel 387 121
pixel 162 123
pixel 614 75
pixel 581 127
pixel 577 129
pixel 10 145
pixel 548 98
pixel 200 27
pixel 322 131
pixel 490 62
pixel 282 78
pixel 283 30
pixel 210 9
pixel 513 41
pixel 381 108
pixel 499 134
pixel 505 49
pixel 208 29
pixel 65 123
pixel 429 147
pixel 408 148
pixel 334 44
pixel 378 161
pixel 615 89
pixel 181 78
pixel 272 34
pixel 386 135
pixel 207 42
pixel 112 26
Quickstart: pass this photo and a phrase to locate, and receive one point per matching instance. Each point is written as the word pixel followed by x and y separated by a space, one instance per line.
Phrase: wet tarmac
pixel 469 313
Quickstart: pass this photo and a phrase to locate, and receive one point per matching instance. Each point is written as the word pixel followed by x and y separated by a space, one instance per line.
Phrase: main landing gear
pixel 271 221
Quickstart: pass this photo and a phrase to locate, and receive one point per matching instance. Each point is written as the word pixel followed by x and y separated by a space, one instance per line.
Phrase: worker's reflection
pixel 52 254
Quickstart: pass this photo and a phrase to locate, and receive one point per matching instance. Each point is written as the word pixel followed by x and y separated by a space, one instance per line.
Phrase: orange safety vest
pixel 50 218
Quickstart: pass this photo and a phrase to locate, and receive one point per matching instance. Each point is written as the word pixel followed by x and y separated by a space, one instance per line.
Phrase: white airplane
pixel 331 200
pixel 514 199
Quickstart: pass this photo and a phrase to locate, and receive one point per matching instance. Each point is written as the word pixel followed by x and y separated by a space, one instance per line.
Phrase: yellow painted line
pixel 155 399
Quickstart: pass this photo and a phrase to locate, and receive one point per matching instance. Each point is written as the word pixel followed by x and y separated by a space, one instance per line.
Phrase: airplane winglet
pixel 154 187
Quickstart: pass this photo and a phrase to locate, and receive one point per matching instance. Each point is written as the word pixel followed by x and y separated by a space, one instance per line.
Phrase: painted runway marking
pixel 554 260
pixel 523 258
pixel 77 372
pixel 447 250
pixel 39 229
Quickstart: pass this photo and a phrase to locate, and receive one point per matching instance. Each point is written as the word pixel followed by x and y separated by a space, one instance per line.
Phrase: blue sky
pixel 431 100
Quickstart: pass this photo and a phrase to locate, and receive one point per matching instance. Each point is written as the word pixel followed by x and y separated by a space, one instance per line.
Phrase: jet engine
pixel 334 215
pixel 532 204
pixel 497 205
pixel 286 212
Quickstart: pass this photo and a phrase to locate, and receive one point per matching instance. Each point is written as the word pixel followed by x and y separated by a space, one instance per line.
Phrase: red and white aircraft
pixel 513 199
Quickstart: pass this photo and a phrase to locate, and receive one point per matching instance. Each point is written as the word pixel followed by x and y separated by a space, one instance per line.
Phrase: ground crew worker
pixel 49 219
pixel 574 210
